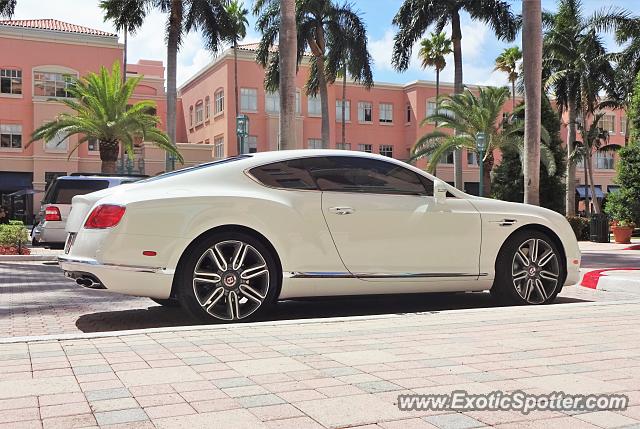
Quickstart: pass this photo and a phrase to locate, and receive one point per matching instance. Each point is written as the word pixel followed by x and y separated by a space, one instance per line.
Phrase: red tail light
pixel 104 216
pixel 52 213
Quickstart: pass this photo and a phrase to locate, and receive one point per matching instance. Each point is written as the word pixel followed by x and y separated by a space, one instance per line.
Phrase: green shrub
pixel 624 204
pixel 580 226
pixel 13 234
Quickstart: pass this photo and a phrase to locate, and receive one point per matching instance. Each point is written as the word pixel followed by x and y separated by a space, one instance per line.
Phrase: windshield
pixel 194 168
pixel 62 191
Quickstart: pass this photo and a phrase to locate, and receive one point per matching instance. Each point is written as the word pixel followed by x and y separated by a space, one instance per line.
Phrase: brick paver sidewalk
pixel 328 373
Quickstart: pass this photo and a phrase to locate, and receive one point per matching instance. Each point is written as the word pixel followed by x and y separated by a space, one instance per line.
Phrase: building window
pixel 605 160
pixel 315 144
pixel 191 116
pixel 386 113
pixel 252 141
pixel 408 113
pixel 207 107
pixel 218 106
pixel 57 143
pixel 93 145
pixel 447 158
pixel 298 108
pixel 47 84
pixel 10 136
pixel 199 112
pixel 218 147
pixel 365 148
pixel 623 125
pixel 347 111
pixel 365 112
pixel 472 158
pixel 343 146
pixel 608 123
pixel 10 81
pixel 386 150
pixel 248 99
pixel 314 106
pixel 272 102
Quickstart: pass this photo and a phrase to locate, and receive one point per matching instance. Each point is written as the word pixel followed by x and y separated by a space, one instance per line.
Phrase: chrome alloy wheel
pixel 535 271
pixel 231 280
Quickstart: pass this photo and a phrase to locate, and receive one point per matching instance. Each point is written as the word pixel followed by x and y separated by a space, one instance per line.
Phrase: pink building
pixel 385 119
pixel 36 57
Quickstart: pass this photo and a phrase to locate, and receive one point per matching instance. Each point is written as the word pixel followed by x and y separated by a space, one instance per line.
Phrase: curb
pixel 613 279
pixel 28 258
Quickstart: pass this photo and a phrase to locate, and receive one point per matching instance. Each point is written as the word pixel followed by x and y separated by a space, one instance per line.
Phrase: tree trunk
pixel 456 39
pixel 324 102
pixel 235 92
pixel 532 61
pixel 175 28
pixel 108 156
pixel 513 96
pixel 344 106
pixel 570 196
pixel 287 51
pixel 587 198
pixel 487 168
pixel 435 168
pixel 124 80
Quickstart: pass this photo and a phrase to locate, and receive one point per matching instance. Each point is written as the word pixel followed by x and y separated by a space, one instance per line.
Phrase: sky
pixel 479 46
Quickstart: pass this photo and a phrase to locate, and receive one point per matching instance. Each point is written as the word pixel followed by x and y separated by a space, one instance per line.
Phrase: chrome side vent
pixel 505 222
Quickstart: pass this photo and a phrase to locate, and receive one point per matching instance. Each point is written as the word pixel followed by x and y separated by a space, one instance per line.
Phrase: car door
pixel 385 222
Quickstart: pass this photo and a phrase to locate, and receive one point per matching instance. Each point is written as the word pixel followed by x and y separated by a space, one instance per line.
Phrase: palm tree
pixel 207 16
pixel 127 16
pixel 100 102
pixel 507 62
pixel 532 71
pixel 467 114
pixel 289 45
pixel 238 18
pixel 414 18
pixel 326 30
pixel 7 8
pixel 569 38
pixel 432 54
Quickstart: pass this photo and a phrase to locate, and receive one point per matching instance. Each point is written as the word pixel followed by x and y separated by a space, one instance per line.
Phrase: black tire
pixel 537 286
pixel 170 302
pixel 186 284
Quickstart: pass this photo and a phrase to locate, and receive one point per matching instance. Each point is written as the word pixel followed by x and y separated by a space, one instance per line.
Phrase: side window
pixel 353 174
pixel 290 174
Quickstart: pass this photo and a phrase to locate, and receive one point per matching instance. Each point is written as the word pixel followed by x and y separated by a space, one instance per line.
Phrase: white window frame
pixel 363 106
pixel 314 106
pixel 207 107
pixel 218 147
pixel 315 144
pixel 386 113
pixel 57 144
pixel 218 102
pixel 248 100
pixel 343 146
pixel 57 83
pixel 347 111
pixel 605 160
pixel 199 112
pixel 610 120
pixel 272 102
pixel 365 147
pixel 252 144
pixel 298 102
pixel 96 149
pixel 14 76
pixel 11 130
pixel 386 150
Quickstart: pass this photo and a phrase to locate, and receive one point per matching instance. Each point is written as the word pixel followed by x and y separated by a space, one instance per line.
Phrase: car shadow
pixel 158 316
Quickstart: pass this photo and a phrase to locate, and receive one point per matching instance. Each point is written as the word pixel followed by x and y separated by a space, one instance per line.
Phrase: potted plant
pixel 623 209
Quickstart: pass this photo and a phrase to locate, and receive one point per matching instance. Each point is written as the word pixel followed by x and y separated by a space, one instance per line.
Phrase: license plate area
pixel 71 238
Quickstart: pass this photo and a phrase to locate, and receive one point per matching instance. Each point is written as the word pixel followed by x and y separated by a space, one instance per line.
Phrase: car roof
pixel 107 178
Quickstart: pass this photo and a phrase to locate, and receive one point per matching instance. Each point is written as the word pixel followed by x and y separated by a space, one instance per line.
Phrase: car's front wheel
pixel 529 270
pixel 228 277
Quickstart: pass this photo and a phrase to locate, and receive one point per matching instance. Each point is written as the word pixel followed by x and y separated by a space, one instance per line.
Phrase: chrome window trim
pixel 344 275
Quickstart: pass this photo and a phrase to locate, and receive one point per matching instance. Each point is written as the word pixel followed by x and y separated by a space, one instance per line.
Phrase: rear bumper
pixel 47 233
pixel 152 282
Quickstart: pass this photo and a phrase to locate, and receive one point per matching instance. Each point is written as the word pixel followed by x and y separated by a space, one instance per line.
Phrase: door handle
pixel 341 210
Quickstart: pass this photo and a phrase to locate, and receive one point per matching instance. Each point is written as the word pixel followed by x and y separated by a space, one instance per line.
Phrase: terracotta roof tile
pixel 55 25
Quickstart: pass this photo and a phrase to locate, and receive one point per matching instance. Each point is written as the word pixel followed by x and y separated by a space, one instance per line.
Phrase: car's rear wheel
pixel 529 270
pixel 228 277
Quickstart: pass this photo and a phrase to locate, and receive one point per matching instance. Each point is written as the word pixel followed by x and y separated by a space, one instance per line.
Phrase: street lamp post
pixel 481 146
pixel 242 131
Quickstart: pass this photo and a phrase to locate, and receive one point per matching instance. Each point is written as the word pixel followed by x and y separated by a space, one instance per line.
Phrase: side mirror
pixel 440 192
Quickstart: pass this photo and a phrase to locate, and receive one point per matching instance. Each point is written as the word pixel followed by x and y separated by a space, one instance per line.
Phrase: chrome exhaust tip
pixel 89 283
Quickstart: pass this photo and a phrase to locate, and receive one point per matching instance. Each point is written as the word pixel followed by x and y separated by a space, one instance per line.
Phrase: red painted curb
pixel 590 279
pixel 633 247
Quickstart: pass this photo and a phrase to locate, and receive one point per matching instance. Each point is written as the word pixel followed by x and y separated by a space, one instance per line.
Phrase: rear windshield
pixel 62 191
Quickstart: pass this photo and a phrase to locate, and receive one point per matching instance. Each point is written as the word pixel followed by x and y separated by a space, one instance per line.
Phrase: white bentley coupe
pixel 229 238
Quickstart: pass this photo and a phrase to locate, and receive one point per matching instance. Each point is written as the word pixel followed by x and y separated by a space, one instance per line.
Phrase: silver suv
pixel 56 204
